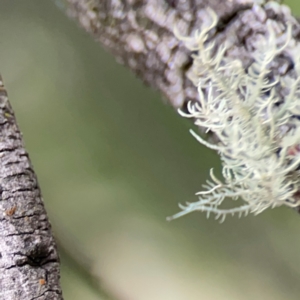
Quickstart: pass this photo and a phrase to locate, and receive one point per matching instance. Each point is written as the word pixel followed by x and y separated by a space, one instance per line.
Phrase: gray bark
pixel 139 33
pixel 29 263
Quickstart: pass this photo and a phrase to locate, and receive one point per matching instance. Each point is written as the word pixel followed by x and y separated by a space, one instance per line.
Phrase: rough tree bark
pixel 29 263
pixel 140 34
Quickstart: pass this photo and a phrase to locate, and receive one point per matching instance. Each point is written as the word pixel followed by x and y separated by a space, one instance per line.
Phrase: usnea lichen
pixel 258 132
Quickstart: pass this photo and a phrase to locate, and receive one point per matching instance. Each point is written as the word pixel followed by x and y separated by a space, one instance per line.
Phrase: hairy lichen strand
pixel 255 133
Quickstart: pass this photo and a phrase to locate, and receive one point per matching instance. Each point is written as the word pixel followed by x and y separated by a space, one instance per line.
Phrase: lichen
pixel 258 130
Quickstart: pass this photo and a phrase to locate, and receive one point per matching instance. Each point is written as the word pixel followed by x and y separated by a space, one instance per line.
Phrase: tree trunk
pixel 29 263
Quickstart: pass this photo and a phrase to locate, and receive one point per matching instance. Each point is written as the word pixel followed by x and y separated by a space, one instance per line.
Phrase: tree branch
pixel 140 34
pixel 29 263
pixel 79 261
pixel 81 265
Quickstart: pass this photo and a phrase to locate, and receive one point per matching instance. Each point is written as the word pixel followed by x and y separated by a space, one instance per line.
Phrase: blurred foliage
pixel 113 161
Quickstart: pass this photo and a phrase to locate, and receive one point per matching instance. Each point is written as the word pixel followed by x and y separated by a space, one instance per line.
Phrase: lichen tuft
pixel 258 133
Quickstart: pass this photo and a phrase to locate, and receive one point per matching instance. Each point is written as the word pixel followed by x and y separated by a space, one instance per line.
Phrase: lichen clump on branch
pixel 258 131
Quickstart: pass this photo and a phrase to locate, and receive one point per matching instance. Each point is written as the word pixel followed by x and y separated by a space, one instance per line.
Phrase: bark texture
pixel 29 263
pixel 140 34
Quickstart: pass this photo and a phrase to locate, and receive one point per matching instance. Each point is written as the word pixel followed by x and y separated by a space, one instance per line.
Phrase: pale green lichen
pixel 259 136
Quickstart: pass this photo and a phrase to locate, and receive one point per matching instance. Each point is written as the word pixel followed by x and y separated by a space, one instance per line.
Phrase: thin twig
pixel 76 258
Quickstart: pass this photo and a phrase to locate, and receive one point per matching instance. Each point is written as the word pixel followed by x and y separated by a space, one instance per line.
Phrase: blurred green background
pixel 113 162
